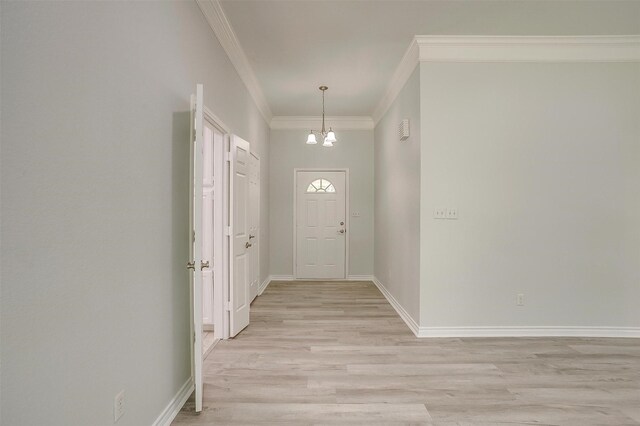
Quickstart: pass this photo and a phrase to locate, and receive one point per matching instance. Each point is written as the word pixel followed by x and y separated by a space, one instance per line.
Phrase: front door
pixel 320 224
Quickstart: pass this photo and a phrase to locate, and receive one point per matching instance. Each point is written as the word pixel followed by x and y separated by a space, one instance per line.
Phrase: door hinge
pixel 227 231
pixel 227 156
pixel 194 337
pixel 227 305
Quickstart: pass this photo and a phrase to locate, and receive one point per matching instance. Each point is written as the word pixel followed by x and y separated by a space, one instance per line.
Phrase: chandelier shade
pixel 311 139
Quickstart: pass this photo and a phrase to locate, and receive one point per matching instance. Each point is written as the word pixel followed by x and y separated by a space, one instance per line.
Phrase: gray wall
pixel 542 162
pixel 95 103
pixel 397 200
pixel 354 150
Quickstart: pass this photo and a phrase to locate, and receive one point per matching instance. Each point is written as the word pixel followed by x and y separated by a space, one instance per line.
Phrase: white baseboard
pixel 264 285
pixel 281 278
pixel 360 278
pixel 349 278
pixel 544 331
pixel 411 323
pixel 175 405
pixel 507 331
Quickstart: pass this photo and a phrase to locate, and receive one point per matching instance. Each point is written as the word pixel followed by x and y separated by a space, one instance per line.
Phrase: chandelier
pixel 328 137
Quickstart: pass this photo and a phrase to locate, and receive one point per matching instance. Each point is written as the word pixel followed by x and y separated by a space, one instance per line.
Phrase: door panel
pixel 320 225
pixel 239 279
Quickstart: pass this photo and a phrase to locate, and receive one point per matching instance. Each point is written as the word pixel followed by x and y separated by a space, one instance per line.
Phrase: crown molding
pixel 400 76
pixel 215 16
pixel 507 49
pixel 309 123
pixel 528 48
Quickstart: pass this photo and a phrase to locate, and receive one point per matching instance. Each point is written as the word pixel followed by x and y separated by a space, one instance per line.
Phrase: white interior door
pixel 321 224
pixel 254 224
pixel 239 268
pixel 196 264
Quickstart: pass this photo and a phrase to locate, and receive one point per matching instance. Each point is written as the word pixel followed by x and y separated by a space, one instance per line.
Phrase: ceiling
pixel 354 46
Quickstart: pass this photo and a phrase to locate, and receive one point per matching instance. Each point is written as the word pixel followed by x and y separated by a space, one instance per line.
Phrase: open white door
pixel 239 268
pixel 196 263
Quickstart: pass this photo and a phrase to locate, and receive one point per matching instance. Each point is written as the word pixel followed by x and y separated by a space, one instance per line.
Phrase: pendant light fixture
pixel 328 138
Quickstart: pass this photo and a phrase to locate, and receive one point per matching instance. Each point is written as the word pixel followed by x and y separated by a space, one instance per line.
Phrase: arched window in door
pixel 319 186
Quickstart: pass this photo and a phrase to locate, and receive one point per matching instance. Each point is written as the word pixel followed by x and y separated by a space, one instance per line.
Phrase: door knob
pixel 204 265
pixel 341 223
pixel 247 245
pixel 191 265
pixel 251 236
pixel 342 231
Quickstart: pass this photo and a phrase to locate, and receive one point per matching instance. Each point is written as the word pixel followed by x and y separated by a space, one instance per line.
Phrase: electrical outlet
pixel 452 213
pixel 118 406
pixel 440 213
pixel 520 300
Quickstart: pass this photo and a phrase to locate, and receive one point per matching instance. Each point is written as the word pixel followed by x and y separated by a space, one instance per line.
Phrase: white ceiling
pixel 354 46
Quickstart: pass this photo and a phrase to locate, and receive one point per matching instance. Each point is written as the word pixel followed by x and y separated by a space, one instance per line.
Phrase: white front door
pixel 239 268
pixel 196 263
pixel 320 224
pixel 254 223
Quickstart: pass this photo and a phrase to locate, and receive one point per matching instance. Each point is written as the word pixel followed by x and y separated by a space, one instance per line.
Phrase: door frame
pixel 218 284
pixel 257 157
pixel 218 225
pixel 347 214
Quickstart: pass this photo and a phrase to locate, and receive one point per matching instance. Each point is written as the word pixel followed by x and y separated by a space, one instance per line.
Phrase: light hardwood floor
pixel 337 353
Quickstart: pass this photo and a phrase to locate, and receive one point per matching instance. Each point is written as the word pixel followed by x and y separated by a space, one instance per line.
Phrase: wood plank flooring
pixel 337 353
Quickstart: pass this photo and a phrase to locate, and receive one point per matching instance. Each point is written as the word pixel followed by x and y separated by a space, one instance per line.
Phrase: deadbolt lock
pixel 247 245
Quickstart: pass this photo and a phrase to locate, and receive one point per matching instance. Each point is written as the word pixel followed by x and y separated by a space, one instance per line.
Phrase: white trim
pixel 210 349
pixel 175 405
pixel 360 278
pixel 398 80
pixel 264 285
pixel 218 224
pixel 215 16
pixel 215 120
pixel 314 123
pixel 542 331
pixel 528 48
pixel 347 213
pixel 281 278
pixel 411 323
pixel 507 331
pixel 506 49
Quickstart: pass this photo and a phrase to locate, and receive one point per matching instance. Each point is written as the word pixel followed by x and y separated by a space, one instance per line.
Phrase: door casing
pixel 295 221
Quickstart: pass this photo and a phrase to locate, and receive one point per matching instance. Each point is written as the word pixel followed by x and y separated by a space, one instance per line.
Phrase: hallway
pixel 337 352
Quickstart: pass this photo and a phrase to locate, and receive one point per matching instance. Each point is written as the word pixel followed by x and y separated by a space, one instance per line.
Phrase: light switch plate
pixel 452 213
pixel 440 213
pixel 355 214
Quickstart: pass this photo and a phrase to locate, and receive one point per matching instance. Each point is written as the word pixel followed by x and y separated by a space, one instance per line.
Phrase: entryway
pixel 320 233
